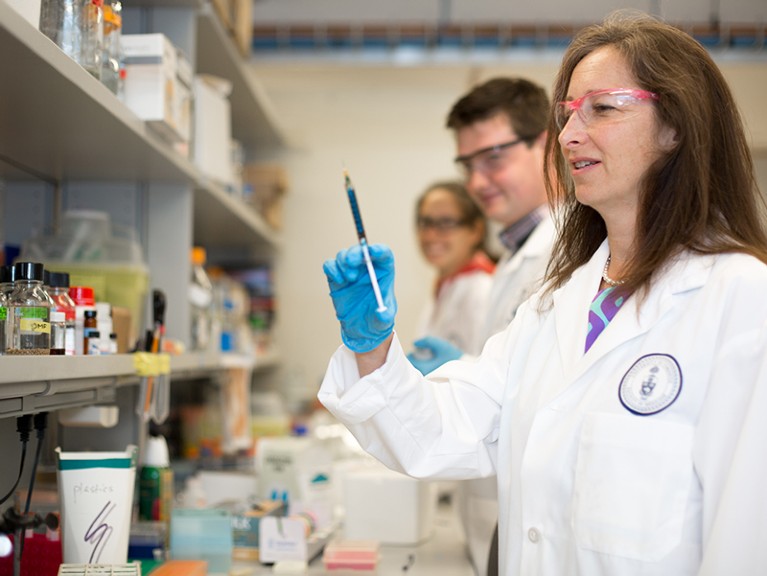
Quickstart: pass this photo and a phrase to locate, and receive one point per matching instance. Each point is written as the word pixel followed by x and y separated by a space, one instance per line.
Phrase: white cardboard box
pixel 387 506
pixel 151 84
pixel 213 128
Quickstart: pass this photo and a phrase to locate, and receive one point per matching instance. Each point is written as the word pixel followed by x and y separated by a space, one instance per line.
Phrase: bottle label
pixel 35 325
pixel 3 313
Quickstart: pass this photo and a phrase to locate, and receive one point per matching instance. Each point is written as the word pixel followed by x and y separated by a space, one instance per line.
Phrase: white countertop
pixel 442 554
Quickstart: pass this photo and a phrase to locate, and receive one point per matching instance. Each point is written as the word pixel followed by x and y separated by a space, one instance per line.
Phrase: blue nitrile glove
pixel 431 352
pixel 363 327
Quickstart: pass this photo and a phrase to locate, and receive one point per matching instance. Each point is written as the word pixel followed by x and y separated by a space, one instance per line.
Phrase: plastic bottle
pixel 58 289
pixel 200 299
pixel 83 298
pixel 58 333
pixel 29 312
pixel 112 63
pixel 104 324
pixel 155 481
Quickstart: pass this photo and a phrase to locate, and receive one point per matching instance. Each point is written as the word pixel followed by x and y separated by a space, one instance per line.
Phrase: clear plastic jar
pixel 200 300
pixel 112 62
pixel 76 26
pixel 29 312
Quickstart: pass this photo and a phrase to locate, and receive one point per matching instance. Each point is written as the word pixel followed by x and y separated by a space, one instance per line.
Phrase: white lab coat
pixel 458 315
pixel 459 311
pixel 518 276
pixel 587 487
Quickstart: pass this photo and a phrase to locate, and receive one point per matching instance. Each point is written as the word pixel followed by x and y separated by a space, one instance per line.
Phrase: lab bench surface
pixel 442 554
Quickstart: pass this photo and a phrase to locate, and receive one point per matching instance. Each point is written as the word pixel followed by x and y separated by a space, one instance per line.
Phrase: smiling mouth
pixel 584 164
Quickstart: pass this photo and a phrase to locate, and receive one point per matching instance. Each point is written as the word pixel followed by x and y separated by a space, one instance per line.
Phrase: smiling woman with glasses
pixel 451 232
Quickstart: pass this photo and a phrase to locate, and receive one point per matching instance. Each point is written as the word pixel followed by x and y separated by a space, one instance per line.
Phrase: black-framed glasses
pixel 486 160
pixel 424 223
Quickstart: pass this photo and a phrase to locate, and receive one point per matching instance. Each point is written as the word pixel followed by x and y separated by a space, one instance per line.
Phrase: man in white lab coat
pixel 500 134
pixel 624 409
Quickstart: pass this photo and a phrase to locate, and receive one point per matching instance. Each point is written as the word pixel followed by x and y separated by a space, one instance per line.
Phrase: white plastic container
pixel 387 506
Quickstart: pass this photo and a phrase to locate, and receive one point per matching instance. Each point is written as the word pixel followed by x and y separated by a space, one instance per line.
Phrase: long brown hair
pixel 702 196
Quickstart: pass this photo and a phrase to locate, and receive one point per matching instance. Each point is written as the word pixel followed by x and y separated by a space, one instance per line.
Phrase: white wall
pixel 385 124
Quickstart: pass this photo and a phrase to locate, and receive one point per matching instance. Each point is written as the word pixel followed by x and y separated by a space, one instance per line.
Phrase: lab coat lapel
pixel 572 303
pixel 571 310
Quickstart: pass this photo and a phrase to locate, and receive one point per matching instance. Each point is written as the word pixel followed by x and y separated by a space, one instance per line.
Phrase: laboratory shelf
pixel 194 364
pixel 58 122
pixel 221 220
pixel 254 123
pixel 30 384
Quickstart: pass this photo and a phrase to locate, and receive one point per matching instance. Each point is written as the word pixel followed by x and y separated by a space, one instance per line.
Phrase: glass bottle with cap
pixel 7 276
pixel 58 289
pixel 3 320
pixel 91 333
pixel 76 26
pixel 58 333
pixel 29 312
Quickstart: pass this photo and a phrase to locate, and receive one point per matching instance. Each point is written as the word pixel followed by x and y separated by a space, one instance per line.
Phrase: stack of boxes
pixel 190 112
pixel 157 85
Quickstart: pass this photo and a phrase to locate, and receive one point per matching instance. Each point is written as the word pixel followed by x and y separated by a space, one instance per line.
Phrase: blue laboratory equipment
pixel 363 240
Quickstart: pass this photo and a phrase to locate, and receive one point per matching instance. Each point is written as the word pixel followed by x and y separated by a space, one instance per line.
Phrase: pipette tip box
pixel 351 557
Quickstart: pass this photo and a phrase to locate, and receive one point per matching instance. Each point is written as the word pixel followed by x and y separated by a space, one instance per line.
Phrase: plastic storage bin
pixel 123 285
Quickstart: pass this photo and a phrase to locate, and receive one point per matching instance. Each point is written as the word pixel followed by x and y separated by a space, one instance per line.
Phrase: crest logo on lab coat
pixel 652 384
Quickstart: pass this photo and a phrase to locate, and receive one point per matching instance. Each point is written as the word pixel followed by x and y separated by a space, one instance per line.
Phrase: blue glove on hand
pixel 363 327
pixel 431 352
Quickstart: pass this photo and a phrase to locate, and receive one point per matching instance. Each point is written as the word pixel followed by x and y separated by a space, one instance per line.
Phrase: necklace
pixel 609 281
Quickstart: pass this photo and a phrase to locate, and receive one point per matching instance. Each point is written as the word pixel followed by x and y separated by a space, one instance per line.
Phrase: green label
pixel 36 312
pixel 3 313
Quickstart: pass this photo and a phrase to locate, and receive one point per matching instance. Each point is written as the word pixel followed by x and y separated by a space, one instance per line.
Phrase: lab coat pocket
pixel 632 483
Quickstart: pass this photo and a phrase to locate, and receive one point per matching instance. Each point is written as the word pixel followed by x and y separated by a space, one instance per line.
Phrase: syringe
pixel 363 241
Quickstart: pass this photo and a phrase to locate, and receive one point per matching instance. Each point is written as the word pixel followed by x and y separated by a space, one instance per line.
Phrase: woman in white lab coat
pixel 624 409
pixel 451 233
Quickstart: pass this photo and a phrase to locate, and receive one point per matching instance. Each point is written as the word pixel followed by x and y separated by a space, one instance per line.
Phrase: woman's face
pixel 610 153
pixel 447 242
